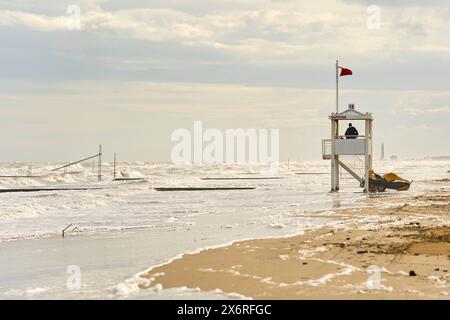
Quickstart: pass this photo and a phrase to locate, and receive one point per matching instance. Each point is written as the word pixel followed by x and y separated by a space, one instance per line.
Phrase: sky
pixel 134 71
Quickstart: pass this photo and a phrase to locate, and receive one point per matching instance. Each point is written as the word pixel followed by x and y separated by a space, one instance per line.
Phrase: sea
pixel 92 242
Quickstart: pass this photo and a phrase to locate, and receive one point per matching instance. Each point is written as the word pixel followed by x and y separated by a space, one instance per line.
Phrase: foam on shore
pixel 333 262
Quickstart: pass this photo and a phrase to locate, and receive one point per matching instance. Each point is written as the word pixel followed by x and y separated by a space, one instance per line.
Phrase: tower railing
pixel 326 149
pixel 354 165
pixel 350 136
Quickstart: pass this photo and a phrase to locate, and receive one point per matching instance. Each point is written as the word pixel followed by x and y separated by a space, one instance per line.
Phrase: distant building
pixel 394 158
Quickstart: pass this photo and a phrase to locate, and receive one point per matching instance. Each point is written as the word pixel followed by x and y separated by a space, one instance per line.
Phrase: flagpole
pixel 337 87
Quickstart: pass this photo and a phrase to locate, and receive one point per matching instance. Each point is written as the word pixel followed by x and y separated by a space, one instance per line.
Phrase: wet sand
pixel 399 252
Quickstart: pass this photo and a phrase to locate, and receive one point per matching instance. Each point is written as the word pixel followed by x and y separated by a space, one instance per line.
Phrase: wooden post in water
pixel 114 173
pixel 99 163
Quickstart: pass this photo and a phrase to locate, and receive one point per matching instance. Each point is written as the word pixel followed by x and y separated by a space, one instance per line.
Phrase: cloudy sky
pixel 137 70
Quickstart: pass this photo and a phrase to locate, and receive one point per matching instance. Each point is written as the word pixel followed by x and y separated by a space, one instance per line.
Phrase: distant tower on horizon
pixel 382 151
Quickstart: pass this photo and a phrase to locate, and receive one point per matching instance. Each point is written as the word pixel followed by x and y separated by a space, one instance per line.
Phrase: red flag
pixel 345 72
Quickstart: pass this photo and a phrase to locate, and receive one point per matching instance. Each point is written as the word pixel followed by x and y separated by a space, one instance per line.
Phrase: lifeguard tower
pixel 353 154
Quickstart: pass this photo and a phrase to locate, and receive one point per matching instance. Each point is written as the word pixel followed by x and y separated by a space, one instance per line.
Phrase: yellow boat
pixel 388 181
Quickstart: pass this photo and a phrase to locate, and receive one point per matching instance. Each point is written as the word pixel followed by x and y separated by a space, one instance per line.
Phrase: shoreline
pixel 335 262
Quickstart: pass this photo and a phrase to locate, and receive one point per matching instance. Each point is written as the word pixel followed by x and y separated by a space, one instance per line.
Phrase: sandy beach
pixel 401 251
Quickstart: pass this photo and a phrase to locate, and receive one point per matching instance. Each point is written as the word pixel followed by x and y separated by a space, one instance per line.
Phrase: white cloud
pixel 268 31
pixel 32 21
pixel 426 110
pixel 415 103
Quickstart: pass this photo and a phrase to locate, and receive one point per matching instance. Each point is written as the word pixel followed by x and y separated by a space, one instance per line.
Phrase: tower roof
pixel 351 114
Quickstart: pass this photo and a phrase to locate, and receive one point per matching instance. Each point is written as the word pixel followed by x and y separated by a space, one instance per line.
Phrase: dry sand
pixel 400 252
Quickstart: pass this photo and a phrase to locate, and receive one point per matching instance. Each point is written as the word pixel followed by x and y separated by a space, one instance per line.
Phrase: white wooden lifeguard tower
pixel 353 155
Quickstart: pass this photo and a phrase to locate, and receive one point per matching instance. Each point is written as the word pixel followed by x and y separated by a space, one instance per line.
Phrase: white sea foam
pixel 26 293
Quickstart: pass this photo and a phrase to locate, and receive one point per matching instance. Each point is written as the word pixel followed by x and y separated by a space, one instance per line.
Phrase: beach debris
pixel 64 230
pixel 388 181
pixel 73 229
pixel 402 207
pixel 412 273
pixel 128 179
pixel 442 180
